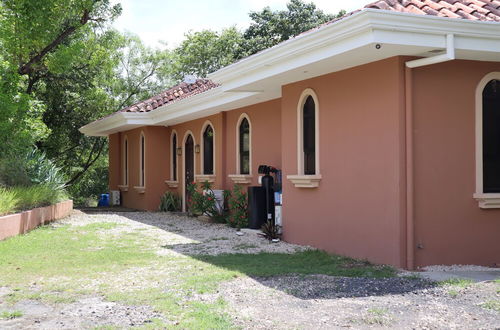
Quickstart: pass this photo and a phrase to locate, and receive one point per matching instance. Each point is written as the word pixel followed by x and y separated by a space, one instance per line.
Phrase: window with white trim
pixel 488 141
pixel 244 146
pixel 173 157
pixel 142 161
pixel 208 150
pixel 125 162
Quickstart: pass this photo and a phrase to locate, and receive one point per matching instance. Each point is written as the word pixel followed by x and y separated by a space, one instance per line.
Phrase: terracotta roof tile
pixel 482 10
pixel 171 95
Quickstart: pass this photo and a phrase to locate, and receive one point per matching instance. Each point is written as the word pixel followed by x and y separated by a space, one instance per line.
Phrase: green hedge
pixel 17 199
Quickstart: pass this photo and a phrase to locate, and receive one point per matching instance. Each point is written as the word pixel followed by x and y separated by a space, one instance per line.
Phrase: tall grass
pixel 25 198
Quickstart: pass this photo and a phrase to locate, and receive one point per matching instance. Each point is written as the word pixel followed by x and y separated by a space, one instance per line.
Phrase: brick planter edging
pixel 21 223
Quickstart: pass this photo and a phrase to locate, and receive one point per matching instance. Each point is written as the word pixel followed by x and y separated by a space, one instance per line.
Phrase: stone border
pixel 21 223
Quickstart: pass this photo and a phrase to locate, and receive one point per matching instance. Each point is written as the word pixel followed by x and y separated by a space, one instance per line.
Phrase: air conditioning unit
pixel 114 196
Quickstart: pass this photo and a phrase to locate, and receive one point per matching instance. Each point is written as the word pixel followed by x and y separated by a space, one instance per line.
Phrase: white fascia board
pixel 384 27
pixel 103 126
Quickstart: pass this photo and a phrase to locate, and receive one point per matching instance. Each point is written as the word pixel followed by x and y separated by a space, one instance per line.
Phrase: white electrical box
pixel 277 216
pixel 114 197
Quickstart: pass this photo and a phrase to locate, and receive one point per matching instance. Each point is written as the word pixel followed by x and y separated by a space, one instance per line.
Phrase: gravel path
pixel 279 302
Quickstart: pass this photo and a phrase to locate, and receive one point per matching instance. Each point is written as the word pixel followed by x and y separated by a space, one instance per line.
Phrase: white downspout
pixel 448 56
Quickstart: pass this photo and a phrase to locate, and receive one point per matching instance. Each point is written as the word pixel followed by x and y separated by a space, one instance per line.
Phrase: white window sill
pixel 140 189
pixel 305 181
pixel 204 177
pixel 172 184
pixel 123 187
pixel 241 178
pixel 488 201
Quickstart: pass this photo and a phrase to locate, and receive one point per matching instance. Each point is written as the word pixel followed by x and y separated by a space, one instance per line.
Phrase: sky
pixel 168 20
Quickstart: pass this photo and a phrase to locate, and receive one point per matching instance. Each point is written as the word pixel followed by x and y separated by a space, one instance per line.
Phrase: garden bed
pixel 21 223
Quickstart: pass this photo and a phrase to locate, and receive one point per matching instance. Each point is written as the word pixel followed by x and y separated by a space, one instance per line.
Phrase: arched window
pixel 244 146
pixel 125 162
pixel 173 157
pixel 308 135
pixel 142 161
pixel 491 136
pixel 488 141
pixel 208 150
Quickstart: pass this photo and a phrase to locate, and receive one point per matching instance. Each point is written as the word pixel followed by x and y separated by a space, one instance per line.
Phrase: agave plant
pixel 270 230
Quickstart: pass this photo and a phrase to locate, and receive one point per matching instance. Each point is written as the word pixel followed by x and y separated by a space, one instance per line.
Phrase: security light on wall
pixel 197 148
pixel 179 151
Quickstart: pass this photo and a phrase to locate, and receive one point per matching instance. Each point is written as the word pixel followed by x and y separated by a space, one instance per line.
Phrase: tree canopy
pixel 62 65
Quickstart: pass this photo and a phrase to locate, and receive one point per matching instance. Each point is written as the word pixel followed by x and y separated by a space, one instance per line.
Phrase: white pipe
pixel 448 56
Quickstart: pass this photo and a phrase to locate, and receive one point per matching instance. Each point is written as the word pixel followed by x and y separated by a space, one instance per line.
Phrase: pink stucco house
pixel 385 123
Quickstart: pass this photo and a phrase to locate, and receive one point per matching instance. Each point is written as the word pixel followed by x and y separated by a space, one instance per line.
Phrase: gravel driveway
pixel 278 302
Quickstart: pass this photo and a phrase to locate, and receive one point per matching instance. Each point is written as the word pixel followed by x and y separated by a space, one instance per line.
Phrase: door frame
pixel 184 166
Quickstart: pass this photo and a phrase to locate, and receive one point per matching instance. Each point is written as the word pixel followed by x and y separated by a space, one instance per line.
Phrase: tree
pixel 204 52
pixel 268 28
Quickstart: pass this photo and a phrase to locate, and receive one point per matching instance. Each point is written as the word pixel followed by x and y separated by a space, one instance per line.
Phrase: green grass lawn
pixel 68 262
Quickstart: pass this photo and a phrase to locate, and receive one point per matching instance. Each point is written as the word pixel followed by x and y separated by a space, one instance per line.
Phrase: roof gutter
pixel 448 56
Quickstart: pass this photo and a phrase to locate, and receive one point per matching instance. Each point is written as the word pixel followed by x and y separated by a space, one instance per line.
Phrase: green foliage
pixel 31 168
pixel 202 201
pixel 238 206
pixel 26 198
pixel 269 28
pixel 170 202
pixel 206 51
pixel 270 230
pixel 5 315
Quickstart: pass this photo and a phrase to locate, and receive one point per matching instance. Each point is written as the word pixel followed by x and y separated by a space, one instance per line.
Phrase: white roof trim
pixel 244 82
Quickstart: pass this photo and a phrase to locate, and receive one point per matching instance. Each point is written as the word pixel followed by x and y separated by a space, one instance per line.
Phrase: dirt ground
pixel 278 302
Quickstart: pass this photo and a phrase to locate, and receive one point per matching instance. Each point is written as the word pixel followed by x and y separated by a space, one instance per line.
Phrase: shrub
pixel 238 206
pixel 170 202
pixel 32 168
pixel 8 201
pixel 270 230
pixel 25 198
pixel 202 201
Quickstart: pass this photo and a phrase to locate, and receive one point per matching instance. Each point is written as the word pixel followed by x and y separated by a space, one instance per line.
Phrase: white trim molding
pixel 123 187
pixel 305 181
pixel 140 189
pixel 202 147
pixel 241 178
pixel 238 165
pixel 485 200
pixel 204 177
pixel 302 180
pixel 172 183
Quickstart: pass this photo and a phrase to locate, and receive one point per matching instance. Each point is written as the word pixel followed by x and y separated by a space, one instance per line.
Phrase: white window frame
pixel 238 177
pixel 141 188
pixel 124 165
pixel 202 146
pixel 485 200
pixel 173 153
pixel 301 180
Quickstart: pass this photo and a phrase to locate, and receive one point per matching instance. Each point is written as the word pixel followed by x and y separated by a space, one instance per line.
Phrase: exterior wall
pixel 156 166
pixel 265 123
pixel 357 208
pixel 449 225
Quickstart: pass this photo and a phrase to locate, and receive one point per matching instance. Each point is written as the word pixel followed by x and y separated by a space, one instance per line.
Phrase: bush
pixel 238 206
pixel 32 168
pixel 8 201
pixel 202 201
pixel 170 202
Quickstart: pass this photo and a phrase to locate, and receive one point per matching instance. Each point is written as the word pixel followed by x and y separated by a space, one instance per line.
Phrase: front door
pixel 188 167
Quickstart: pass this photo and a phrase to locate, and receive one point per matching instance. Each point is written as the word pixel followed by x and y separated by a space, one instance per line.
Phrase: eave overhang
pixel 367 36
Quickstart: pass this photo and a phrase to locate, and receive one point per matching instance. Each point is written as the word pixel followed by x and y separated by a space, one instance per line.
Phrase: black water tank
pixel 256 207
